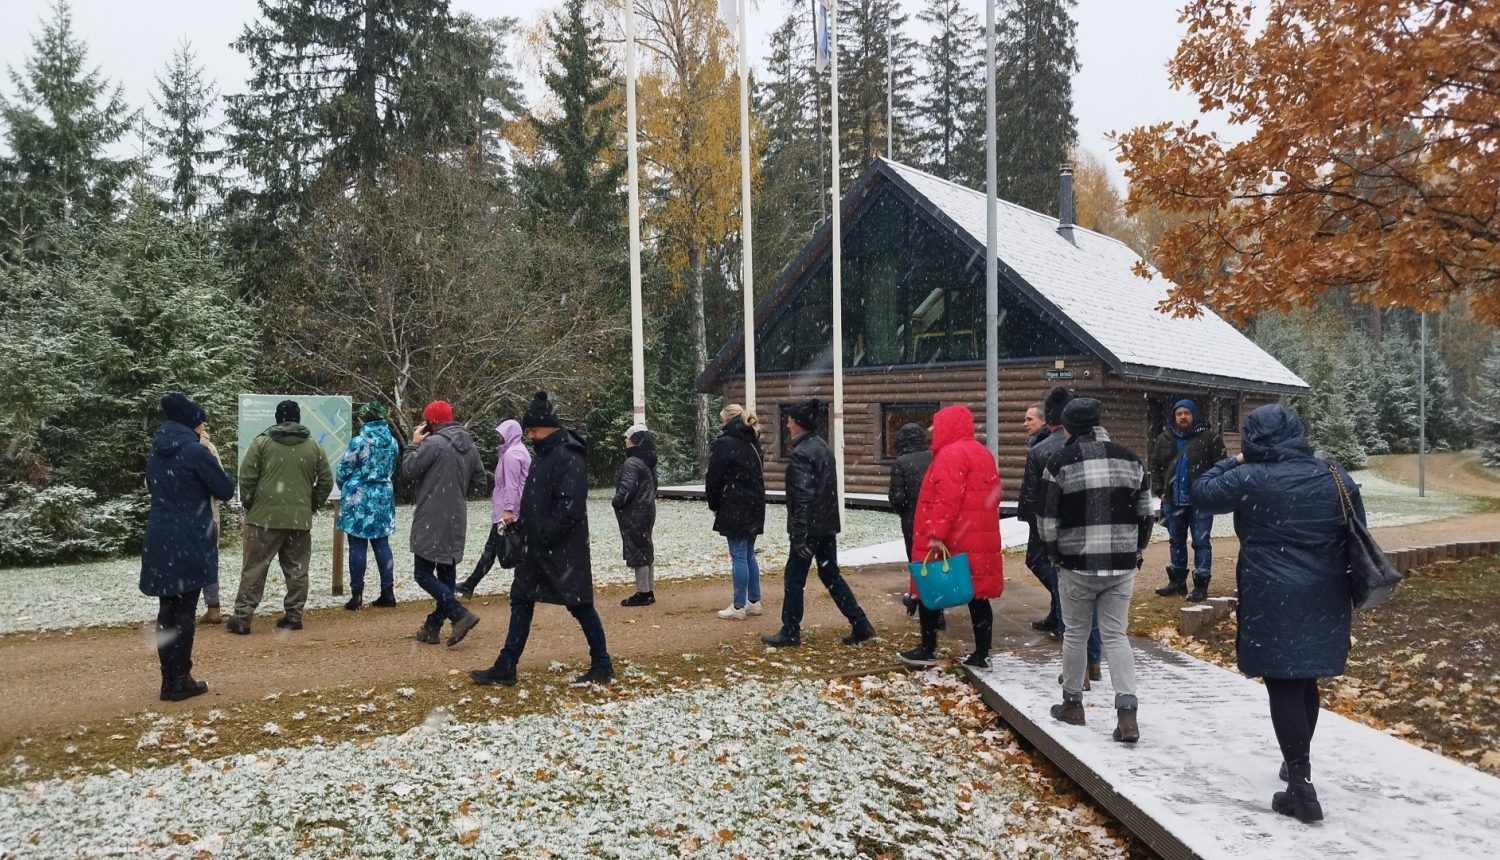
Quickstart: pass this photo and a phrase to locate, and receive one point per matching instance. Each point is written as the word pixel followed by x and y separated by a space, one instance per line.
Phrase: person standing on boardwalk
pixel 1294 607
pixel 1095 520
pixel 913 456
pixel 813 521
pixel 445 465
pixel 180 553
pixel 512 462
pixel 736 490
pixel 283 480
pixel 958 511
pixel 1182 453
pixel 367 504
pixel 555 566
pixel 635 511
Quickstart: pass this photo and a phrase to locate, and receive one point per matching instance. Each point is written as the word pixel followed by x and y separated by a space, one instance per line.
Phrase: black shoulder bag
pixel 1372 579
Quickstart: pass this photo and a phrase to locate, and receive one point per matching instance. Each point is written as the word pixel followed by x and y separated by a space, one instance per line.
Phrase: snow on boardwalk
pixel 1199 783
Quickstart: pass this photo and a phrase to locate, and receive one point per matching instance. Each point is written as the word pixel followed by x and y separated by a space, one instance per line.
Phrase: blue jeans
pixel 1182 520
pixel 826 551
pixel 744 571
pixel 359 561
pixel 438 580
pixel 520 630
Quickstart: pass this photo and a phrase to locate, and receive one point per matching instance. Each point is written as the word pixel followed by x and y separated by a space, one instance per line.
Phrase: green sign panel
pixel 329 419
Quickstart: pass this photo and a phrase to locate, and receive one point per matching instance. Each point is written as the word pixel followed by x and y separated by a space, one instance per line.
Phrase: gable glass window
pixel 894 416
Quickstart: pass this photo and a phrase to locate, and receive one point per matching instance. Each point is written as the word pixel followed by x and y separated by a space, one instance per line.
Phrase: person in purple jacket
pixel 512 462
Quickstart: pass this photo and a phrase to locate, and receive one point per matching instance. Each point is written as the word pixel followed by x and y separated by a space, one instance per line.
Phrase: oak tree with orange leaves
pixel 1374 164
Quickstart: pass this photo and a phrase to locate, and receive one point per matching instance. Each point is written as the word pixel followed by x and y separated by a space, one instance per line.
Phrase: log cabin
pixel 1073 312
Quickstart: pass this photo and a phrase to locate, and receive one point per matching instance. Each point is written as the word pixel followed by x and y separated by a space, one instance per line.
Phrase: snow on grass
pixel 889 766
pixel 105 593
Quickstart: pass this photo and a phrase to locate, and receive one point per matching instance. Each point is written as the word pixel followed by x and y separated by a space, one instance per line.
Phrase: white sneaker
pixel 733 614
pixel 752 608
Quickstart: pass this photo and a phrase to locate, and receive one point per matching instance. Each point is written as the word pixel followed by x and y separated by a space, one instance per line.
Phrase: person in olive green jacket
pixel 284 478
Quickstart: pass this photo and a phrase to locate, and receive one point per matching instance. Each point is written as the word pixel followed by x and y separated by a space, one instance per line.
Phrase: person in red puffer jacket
pixel 958 510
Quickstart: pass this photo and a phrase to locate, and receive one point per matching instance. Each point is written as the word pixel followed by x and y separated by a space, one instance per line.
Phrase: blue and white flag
pixel 820 38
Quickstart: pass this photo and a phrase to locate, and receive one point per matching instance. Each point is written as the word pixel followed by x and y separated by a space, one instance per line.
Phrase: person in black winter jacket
pixel 1182 453
pixel 736 491
pixel 180 553
pixel 1294 608
pixel 635 510
pixel 913 456
pixel 555 566
pixel 813 521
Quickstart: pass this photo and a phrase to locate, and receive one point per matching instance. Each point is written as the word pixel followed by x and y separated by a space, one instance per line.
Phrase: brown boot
pixel 1086 685
pixel 1094 673
pixel 212 616
pixel 1126 731
pixel 1069 712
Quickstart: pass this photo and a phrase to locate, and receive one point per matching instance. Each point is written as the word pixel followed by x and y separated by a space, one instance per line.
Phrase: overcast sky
pixel 1123 46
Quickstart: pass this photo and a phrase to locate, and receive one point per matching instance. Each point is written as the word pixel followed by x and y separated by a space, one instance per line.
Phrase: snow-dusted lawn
pixel 101 593
pixel 796 769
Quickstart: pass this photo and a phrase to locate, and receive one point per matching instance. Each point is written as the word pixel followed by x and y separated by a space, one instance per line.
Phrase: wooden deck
pixel 1199 783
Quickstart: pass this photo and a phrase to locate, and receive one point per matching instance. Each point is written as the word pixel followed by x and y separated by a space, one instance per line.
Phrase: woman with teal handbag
pixel 956 540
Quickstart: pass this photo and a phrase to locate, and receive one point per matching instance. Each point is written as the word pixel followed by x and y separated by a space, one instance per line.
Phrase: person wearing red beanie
pixel 438 412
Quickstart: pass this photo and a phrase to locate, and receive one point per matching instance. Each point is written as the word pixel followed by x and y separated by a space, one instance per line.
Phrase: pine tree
pixel 1036 57
pixel 872 41
pixel 58 127
pixel 1486 406
pixel 573 178
pixel 954 88
pixel 180 137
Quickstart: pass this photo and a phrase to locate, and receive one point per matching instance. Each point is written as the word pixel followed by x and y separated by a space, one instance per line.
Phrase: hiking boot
pixel 464 589
pixel 237 627
pixel 287 624
pixel 1200 590
pixel 1046 625
pixel 860 634
pixel 977 660
pixel 212 616
pixel 185 688
pixel 356 599
pixel 494 676
pixel 918 658
pixel 1094 673
pixel 429 635
pixel 386 600
pixel 783 639
pixel 640 598
pixel 1086 685
pixel 461 628
pixel 1126 730
pixel 596 675
pixel 1176 583
pixel 1300 799
pixel 1069 712
pixel 733 613
pixel 753 608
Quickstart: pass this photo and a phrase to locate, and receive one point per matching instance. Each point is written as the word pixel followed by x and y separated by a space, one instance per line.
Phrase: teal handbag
pixel 945 584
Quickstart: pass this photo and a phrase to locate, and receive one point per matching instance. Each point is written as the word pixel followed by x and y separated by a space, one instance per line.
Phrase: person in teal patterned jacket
pixel 367 504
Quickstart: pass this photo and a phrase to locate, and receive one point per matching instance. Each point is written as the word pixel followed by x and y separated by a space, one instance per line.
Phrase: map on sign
pixel 329 419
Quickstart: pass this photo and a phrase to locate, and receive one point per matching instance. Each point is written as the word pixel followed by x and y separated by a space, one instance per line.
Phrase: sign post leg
pixel 338 554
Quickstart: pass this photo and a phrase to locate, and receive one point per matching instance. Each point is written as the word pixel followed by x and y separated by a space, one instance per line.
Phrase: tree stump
pixel 1195 621
pixel 1221 607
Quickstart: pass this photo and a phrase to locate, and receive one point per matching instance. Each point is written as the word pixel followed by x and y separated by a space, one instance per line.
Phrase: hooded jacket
pixel 181 547
pixel 736 482
pixel 512 462
pixel 284 478
pixel 555 566
pixel 812 498
pixel 1201 449
pixel 913 457
pixel 1293 571
pixel 959 502
pixel 445 467
pixel 635 503
pixel 367 505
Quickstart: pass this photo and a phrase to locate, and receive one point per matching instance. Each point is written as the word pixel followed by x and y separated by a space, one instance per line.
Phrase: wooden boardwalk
pixel 1199 783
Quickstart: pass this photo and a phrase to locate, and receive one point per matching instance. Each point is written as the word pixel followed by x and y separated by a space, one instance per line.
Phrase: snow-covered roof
pixel 1090 283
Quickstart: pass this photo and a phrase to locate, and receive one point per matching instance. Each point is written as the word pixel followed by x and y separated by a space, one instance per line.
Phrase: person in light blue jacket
pixel 367 504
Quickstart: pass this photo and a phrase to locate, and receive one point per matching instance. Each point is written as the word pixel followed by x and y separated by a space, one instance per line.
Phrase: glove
pixel 803 549
pixel 1140 559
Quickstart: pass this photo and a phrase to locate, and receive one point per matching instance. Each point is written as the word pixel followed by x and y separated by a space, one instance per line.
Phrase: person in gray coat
pixel 445 464
pixel 635 510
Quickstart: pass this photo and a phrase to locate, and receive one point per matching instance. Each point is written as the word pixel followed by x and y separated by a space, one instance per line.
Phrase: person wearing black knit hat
pixel 813 521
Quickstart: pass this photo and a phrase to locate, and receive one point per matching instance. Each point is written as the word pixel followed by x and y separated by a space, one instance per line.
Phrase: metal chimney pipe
pixel 1065 203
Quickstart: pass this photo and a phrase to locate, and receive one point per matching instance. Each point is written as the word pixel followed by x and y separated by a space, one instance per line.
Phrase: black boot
pixel 1046 625
pixel 1200 590
pixel 356 599
pixel 494 676
pixel 599 674
pixel 1300 798
pixel 465 588
pixel 640 598
pixel 184 687
pixel 387 598
pixel 1176 582
pixel 859 634
pixel 783 639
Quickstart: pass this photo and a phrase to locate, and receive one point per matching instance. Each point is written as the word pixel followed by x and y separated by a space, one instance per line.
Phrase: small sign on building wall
pixel 1066 373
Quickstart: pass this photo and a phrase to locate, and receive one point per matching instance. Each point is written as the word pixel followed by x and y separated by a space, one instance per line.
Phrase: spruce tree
pixel 1036 57
pixel 1486 406
pixel 1445 428
pixel 574 179
pixel 59 126
pixel 181 137
pixel 873 40
pixel 791 189
pixel 1358 391
pixel 954 95
pixel 1396 392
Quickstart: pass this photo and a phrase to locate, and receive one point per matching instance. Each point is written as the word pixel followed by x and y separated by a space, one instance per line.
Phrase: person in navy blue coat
pixel 1293 575
pixel 180 554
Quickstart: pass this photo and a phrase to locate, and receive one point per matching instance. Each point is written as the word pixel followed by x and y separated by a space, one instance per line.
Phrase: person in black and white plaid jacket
pixel 1095 520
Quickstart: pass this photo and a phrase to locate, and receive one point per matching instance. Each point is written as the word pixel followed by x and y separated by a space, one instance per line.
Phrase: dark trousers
pixel 175 623
pixel 359 561
pixel 826 552
pixel 486 558
pixel 438 580
pixel 980 613
pixel 1294 716
pixel 521 612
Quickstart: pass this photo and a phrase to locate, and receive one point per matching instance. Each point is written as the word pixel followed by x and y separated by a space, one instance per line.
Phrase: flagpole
pixel 890 120
pixel 637 336
pixel 747 277
pixel 838 258
pixel 991 262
